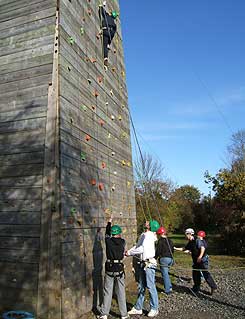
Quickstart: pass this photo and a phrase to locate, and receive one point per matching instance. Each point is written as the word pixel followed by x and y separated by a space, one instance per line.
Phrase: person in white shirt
pixel 145 247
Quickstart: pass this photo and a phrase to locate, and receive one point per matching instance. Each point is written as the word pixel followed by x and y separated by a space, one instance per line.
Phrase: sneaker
pixel 106 61
pixel 135 311
pixel 125 317
pixel 152 313
pixel 102 317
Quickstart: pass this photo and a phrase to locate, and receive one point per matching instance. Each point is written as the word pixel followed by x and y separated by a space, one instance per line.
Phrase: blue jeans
pixel 147 280
pixel 165 263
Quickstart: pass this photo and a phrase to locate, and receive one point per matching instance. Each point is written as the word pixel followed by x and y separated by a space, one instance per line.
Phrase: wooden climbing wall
pixel 66 154
pixel 26 59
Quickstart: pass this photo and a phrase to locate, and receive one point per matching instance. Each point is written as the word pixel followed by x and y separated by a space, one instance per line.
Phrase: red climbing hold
pixel 101 122
pixel 87 137
pixel 93 182
pixel 103 165
pixel 101 186
pixel 96 93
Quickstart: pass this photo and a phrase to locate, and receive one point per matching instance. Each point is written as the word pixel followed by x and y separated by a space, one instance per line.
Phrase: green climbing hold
pixel 83 107
pixel 82 31
pixel 73 211
pixel 83 156
pixel 71 40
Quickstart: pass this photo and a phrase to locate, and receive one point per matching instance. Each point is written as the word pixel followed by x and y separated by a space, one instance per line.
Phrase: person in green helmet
pixel 114 271
pixel 145 248
pixel 109 28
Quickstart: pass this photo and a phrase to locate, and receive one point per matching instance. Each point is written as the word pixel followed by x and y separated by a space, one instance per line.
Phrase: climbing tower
pixel 65 155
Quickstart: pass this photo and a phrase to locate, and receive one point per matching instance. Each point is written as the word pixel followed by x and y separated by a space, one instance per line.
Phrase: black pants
pixel 196 275
pixel 107 39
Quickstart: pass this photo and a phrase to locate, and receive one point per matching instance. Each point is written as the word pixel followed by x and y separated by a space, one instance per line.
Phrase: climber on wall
pixel 108 28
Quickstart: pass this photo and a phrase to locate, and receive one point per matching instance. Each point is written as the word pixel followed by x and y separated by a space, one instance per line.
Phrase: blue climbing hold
pixel 18 315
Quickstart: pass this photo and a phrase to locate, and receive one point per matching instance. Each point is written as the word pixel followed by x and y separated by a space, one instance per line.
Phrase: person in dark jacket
pixel 114 271
pixel 197 247
pixel 109 29
pixel 164 252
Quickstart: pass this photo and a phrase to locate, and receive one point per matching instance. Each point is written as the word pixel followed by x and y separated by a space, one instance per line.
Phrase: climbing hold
pixel 103 165
pixel 129 164
pixel 73 210
pixel 113 69
pixel 111 93
pixel 87 137
pixel 115 51
pixel 82 31
pixel 70 220
pixel 93 182
pixel 115 172
pixel 87 59
pixel 93 60
pixel 123 74
pixel 89 12
pixel 68 68
pixel 123 106
pixel 96 93
pixel 109 135
pixel 71 40
pixel 124 134
pixel 119 117
pixel 100 79
pixel 83 108
pixel 101 186
pixel 123 163
pixel 101 122
pixel 89 80
pixel 93 107
pixel 71 120
pixel 98 35
pixel 112 117
pixel 83 156
pixel 113 187
pixel 128 183
pixel 79 221
pixel 83 192
pixel 112 153
pixel 106 103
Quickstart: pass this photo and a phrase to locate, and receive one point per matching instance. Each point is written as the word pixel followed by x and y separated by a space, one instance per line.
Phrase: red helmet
pixel 201 233
pixel 161 231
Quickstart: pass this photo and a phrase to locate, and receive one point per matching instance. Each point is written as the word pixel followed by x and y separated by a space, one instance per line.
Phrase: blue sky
pixel 185 67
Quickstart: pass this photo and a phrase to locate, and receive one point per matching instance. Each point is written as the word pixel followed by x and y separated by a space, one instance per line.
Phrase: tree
pixel 236 151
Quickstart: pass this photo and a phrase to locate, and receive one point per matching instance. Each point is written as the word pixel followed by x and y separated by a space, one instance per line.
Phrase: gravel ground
pixel 227 302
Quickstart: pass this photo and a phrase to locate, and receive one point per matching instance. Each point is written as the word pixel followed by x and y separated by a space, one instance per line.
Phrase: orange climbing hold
pixel 96 93
pixel 93 60
pixel 101 186
pixel 93 182
pixel 87 137
pixel 100 79
pixel 103 165
pixel 101 122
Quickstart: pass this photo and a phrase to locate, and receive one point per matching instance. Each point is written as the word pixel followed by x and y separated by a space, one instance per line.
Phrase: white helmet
pixel 189 231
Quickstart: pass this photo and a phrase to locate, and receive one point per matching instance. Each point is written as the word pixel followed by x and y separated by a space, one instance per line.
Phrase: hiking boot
pixel 135 311
pixel 152 313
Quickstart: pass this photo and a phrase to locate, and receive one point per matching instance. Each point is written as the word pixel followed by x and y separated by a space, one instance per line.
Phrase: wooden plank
pixel 19 11
pixel 20 218
pixel 27 27
pixel 25 84
pixel 20 230
pixel 20 206
pixel 15 159
pixel 22 181
pixel 24 125
pixel 25 22
pixel 20 193
pixel 21 170
pixel 19 243
pixel 27 73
